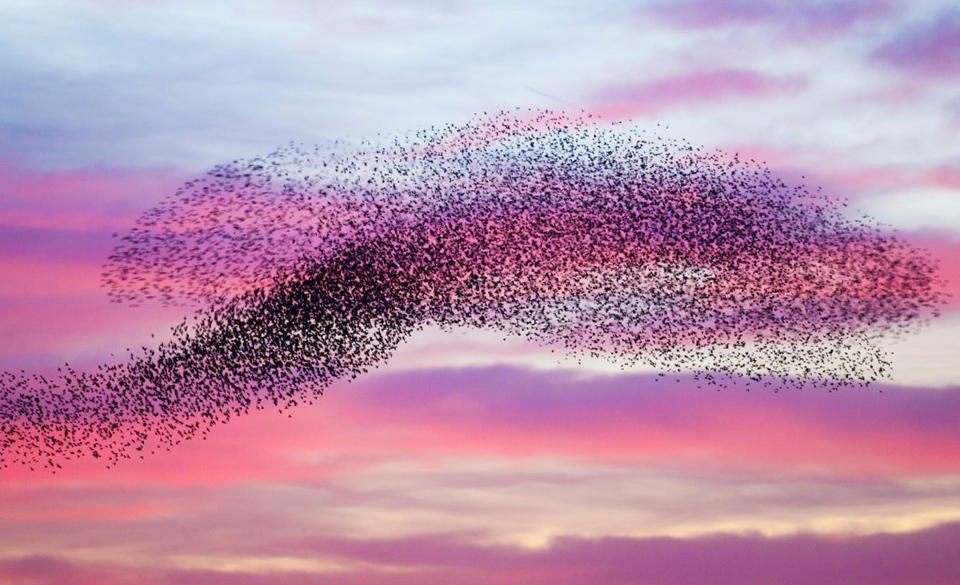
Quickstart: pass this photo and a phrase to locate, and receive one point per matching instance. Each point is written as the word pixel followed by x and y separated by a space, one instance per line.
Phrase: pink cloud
pixel 89 199
pixel 92 513
pixel 932 48
pixel 946 251
pixel 503 412
pixel 26 278
pixel 512 413
pixel 197 500
pixel 38 331
pixel 55 234
pixel 649 98
pixel 946 175
pixel 891 177
pixel 838 176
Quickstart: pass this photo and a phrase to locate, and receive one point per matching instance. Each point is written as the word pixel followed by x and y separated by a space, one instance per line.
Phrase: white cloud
pixel 929 357
pixel 916 209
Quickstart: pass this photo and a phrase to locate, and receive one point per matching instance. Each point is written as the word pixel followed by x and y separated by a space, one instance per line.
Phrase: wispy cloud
pixel 818 17
pixel 930 48
pixel 79 200
pixel 915 558
pixel 700 88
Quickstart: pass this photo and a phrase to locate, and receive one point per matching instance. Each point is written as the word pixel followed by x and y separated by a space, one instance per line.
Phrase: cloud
pixel 914 558
pixel 816 17
pixel 44 569
pixel 153 84
pixel 930 48
pixel 513 414
pixel 86 200
pixel 462 471
pixel 522 456
pixel 718 559
pixel 55 234
pixel 917 209
pixel 696 88
pixel 164 83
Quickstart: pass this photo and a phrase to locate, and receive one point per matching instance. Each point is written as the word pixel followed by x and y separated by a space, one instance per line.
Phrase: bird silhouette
pixel 313 264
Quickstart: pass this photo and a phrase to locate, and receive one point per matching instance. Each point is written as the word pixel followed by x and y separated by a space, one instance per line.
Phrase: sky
pixel 467 458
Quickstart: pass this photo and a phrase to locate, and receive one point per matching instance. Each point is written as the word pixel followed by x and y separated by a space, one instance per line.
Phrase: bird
pixel 309 265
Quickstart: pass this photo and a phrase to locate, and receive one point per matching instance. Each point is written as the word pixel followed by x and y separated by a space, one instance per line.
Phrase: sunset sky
pixel 467 458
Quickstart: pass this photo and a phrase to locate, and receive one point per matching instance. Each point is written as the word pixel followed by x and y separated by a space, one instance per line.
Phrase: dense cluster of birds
pixel 309 265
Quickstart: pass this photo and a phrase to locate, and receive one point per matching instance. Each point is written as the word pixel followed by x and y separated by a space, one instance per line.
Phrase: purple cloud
pixel 915 558
pixel 823 17
pixel 42 569
pixel 931 48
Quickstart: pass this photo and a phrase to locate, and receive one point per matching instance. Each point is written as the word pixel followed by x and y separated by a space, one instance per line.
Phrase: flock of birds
pixel 311 265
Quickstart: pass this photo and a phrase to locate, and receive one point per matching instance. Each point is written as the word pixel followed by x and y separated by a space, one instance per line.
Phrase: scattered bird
pixel 310 265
